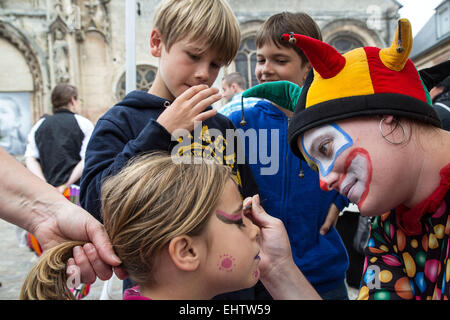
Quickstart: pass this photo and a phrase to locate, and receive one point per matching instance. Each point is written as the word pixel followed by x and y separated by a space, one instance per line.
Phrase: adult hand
pixel 274 240
pixel 32 204
pixel 279 274
pixel 188 108
pixel 70 222
pixel 330 220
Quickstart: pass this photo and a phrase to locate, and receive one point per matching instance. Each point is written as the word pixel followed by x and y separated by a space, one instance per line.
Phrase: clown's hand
pixel 278 272
pixel 274 241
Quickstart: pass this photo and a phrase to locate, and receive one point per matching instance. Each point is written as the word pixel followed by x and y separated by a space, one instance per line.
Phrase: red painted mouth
pixel 345 191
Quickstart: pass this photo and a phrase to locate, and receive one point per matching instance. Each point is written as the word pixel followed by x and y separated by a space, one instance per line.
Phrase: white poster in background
pixel 15 121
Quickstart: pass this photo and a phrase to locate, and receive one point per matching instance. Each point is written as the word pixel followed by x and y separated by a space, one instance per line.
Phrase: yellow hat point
pixel 397 54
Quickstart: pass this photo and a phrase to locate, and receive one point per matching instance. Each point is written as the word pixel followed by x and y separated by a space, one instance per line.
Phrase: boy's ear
pixel 235 87
pixel 308 68
pixel 156 43
pixel 184 253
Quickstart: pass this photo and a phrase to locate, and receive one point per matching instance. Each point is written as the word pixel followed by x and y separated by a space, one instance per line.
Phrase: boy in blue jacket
pixel 307 212
pixel 193 40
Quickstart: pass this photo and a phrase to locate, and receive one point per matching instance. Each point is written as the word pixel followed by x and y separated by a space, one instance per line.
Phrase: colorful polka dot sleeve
pixel 398 266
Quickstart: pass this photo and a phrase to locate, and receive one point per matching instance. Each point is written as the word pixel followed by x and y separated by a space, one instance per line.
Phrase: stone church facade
pixel 82 42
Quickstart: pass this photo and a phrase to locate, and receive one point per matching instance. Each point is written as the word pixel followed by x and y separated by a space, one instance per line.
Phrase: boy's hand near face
pixel 188 107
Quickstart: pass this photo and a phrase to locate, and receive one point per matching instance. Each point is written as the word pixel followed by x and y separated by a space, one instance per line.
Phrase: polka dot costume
pixel 402 266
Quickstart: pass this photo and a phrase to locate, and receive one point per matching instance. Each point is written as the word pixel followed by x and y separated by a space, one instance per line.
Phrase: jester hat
pixel 362 82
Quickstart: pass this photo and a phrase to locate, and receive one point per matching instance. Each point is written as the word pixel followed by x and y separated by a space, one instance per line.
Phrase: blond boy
pixel 193 39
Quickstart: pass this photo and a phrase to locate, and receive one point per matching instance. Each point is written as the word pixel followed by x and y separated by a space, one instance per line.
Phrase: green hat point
pixel 283 93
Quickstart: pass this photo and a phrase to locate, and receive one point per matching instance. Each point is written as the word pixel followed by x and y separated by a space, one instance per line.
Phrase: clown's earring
pixel 385 135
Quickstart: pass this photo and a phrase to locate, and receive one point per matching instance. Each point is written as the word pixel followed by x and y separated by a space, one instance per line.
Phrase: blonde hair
pixel 212 22
pixel 154 199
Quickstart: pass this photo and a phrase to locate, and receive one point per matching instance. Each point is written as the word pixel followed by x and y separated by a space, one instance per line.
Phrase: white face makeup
pixel 358 174
pixel 324 144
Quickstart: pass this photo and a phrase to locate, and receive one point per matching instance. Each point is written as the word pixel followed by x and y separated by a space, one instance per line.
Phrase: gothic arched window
pixel 245 60
pixel 345 43
pixel 145 75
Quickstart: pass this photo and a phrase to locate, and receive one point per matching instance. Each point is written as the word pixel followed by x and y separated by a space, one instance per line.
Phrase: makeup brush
pixel 249 206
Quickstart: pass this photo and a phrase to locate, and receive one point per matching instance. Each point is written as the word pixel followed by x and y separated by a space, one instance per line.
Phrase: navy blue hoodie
pixel 130 128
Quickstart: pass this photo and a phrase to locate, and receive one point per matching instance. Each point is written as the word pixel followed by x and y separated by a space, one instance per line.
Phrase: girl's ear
pixel 184 253
pixel 156 43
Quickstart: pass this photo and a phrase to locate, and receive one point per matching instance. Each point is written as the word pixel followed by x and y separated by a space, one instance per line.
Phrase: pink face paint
pixel 355 182
pixel 226 263
pixel 232 217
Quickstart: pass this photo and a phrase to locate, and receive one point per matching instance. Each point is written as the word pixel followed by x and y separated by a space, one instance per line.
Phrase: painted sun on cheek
pixel 226 263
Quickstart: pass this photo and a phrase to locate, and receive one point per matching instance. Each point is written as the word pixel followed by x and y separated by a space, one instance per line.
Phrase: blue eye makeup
pixel 324 145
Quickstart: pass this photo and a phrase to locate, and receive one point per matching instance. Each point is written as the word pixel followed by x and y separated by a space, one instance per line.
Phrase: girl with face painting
pixel 364 121
pixel 178 227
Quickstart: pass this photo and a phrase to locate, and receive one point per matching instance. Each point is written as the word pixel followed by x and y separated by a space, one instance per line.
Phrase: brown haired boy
pixel 307 212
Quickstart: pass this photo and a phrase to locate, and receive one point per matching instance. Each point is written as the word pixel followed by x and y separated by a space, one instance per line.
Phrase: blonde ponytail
pixel 47 280
pixel 152 200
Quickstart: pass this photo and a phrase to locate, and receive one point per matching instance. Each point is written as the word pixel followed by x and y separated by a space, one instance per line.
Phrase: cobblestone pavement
pixel 15 262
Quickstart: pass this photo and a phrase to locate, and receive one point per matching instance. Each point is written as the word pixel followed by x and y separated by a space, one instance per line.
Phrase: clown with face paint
pixel 322 147
pixel 364 120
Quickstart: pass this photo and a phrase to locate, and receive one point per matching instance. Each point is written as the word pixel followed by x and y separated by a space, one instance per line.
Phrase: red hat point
pixel 325 59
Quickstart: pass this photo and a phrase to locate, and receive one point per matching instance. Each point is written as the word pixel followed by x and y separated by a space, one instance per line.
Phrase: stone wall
pixel 43 42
